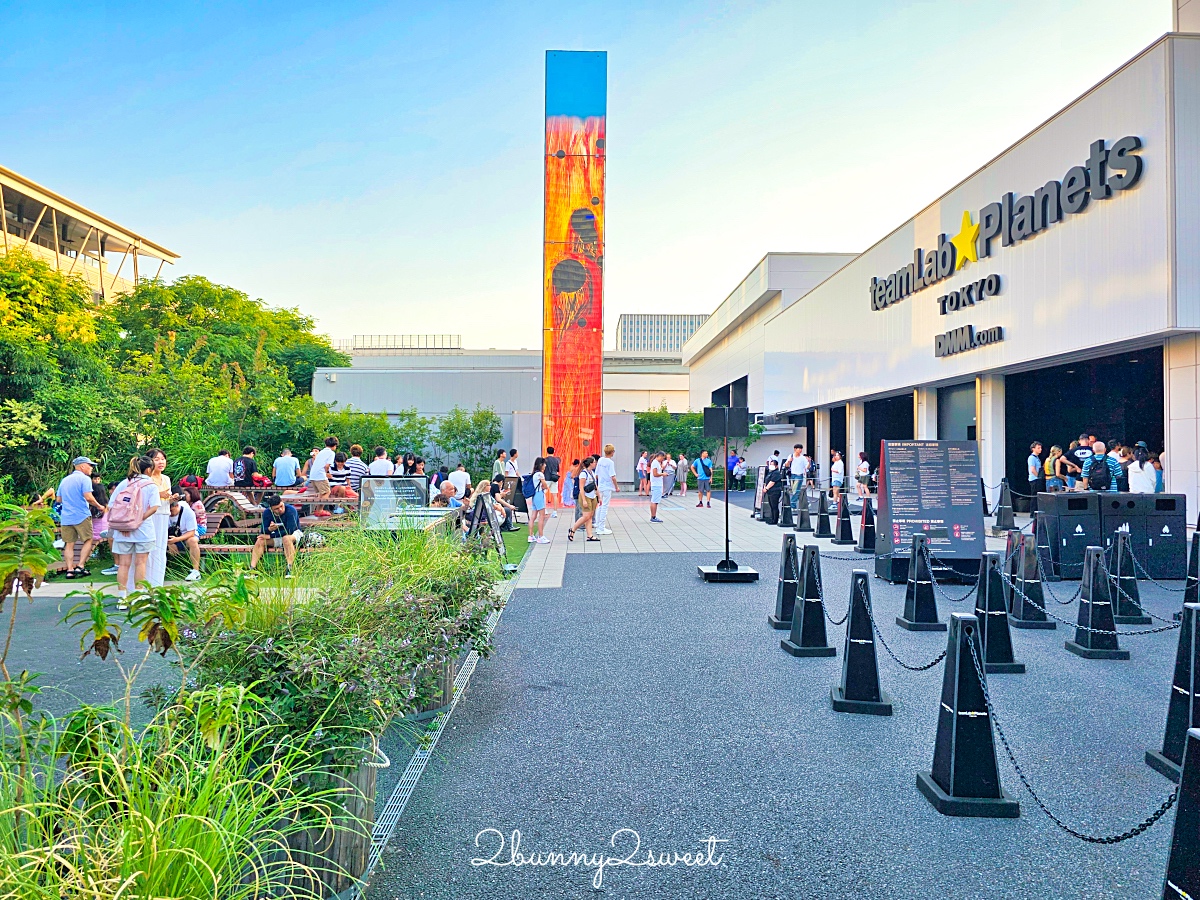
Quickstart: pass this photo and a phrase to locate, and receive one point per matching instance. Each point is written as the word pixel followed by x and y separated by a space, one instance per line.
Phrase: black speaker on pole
pixel 725 422
pixel 715 421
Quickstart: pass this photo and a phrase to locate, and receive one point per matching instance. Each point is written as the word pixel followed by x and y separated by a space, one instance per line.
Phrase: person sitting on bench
pixel 183 534
pixel 280 529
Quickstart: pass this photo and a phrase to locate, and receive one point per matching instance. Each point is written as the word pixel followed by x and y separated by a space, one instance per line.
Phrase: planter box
pixel 449 671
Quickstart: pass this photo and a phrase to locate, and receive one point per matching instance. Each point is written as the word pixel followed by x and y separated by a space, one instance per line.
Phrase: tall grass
pixel 201 803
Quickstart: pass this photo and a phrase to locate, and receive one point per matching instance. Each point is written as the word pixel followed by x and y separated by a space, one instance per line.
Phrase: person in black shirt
pixel 244 468
pixel 280 524
pixel 553 464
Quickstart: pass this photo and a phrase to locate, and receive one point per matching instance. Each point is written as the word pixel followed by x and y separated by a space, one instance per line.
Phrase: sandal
pixel 570 534
pixel 597 540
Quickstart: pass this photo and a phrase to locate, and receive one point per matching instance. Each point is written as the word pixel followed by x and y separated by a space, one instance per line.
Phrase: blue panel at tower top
pixel 576 83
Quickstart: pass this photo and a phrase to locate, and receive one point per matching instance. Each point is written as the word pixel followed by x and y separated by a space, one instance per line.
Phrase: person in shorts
pixel 702 469
pixel 657 475
pixel 78 502
pixel 132 548
pixel 280 527
pixel 553 465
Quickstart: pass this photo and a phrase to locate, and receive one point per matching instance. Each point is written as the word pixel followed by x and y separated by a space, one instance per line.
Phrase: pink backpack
pixel 126 509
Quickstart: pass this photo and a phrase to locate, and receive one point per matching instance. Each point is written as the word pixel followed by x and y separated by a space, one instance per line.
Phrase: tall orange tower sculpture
pixel 573 253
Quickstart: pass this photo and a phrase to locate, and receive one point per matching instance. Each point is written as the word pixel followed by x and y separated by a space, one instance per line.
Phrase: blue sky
pixel 378 165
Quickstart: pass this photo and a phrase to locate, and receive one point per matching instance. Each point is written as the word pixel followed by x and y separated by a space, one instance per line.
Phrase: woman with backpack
pixel 533 486
pixel 589 499
pixel 131 512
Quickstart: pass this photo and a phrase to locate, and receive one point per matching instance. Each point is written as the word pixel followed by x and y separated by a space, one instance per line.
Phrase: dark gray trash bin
pixel 1072 523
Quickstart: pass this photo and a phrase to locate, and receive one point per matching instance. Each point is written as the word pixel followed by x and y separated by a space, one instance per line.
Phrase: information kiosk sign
pixel 931 487
pixel 394 502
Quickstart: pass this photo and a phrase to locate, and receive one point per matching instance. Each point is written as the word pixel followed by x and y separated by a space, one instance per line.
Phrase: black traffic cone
pixel 1191 586
pixel 983 496
pixel 1183 709
pixel 993 619
pixel 866 529
pixel 965 780
pixel 785 510
pixel 859 690
pixel 1095 613
pixel 1029 601
pixel 1045 552
pixel 803 521
pixel 823 529
pixel 1004 510
pixel 920 604
pixel 808 621
pixel 844 532
pixel 1012 541
pixel 1123 585
pixel 785 595
pixel 1183 862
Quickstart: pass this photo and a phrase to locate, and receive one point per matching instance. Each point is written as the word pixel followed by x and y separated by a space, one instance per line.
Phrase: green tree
pixel 471 436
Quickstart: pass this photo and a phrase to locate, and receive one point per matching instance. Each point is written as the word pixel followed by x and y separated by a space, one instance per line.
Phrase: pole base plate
pixel 796 650
pixel 882 707
pixel 1012 668
pixel 779 624
pixel 713 574
pixel 1044 624
pixel 1004 807
pixel 843 541
pixel 1089 653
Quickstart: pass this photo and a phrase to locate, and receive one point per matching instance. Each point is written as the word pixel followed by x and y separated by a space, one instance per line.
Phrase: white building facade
pixel 1053 292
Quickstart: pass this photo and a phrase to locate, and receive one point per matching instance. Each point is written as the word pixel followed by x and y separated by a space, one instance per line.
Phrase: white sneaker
pixel 554 515
pixel 111 570
pixel 543 540
pixel 193 575
pixel 531 539
pixel 604 531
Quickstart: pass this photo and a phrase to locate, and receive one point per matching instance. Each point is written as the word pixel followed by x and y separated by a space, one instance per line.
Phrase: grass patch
pixel 516 543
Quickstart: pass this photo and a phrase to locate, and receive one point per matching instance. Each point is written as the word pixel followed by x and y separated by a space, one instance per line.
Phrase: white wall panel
pixel 1098 277
pixel 1186 53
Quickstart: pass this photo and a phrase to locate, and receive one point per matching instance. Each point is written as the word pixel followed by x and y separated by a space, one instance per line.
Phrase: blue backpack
pixel 527 488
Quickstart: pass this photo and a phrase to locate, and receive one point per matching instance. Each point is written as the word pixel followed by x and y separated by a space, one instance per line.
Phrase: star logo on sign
pixel 964 242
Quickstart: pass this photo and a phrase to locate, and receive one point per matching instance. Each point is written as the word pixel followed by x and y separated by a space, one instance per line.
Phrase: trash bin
pixel 1123 512
pixel 1072 523
pixel 1166 535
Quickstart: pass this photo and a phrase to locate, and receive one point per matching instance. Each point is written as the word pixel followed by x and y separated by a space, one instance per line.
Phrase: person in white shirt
pixel 863 475
pixel 322 465
pixel 656 485
pixel 182 535
pixel 799 473
pixel 220 470
pixel 606 478
pixel 512 469
pixel 837 475
pixel 668 470
pixel 643 473
pixel 1143 477
pixel 381 466
pixel 461 480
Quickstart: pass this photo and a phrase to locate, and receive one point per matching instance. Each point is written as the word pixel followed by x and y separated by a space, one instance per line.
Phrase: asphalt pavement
pixel 638 697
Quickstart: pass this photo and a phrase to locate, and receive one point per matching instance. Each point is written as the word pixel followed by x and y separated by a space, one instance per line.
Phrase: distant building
pixel 656 332
pixel 73 239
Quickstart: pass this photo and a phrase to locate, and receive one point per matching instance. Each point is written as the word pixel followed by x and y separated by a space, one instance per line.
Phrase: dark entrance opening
pixel 1117 398
pixel 956 412
pixel 807 421
pixel 890 419
pixel 837 439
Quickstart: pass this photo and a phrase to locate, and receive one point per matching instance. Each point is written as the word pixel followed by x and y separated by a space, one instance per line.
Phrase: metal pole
pixel 725 463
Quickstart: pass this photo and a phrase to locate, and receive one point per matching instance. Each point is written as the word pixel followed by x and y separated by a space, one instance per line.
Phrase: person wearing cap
pixel 78 501
pixel 1143 477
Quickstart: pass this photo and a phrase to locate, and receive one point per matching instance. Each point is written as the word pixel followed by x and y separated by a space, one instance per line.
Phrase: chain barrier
pixel 929 560
pixel 1137 566
pixel 875 627
pixel 1069 624
pixel 1046 585
pixel 1090 838
pixel 824 607
pixel 1116 583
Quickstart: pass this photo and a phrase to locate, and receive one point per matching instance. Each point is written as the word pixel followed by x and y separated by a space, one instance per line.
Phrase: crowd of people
pixel 1089 464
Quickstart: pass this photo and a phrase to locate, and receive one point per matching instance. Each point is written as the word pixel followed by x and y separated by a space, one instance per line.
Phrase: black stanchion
pixel 1004 510
pixel 965 780
pixel 859 690
pixel 1123 585
pixel 866 529
pixel 1183 709
pixel 785 595
pixel 843 532
pixel 802 517
pixel 993 619
pixel 1011 542
pixel 1183 862
pixel 920 604
pixel 1029 601
pixel 1191 586
pixel 1043 532
pixel 823 529
pixel 785 510
pixel 983 497
pixel 1095 631
pixel 808 621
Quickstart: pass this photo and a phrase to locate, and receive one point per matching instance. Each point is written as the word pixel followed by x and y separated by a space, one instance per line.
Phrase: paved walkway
pixel 638 697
